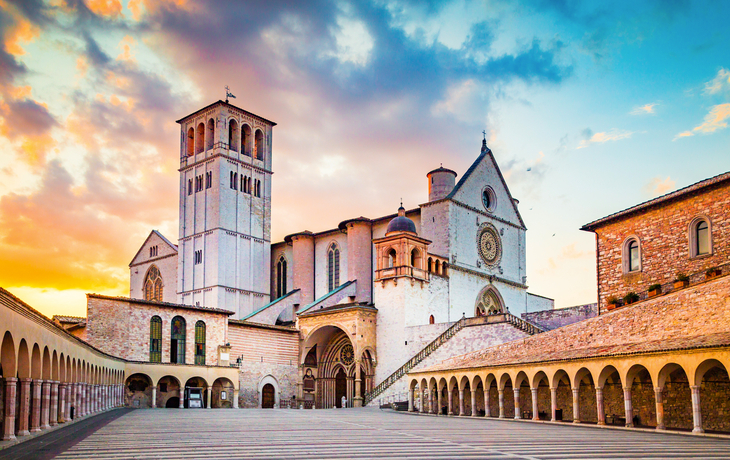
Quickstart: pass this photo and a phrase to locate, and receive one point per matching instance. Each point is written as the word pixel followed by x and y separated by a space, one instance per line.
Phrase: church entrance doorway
pixel 268 398
pixel 340 387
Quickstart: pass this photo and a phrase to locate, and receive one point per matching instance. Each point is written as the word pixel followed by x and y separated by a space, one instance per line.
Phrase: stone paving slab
pixel 368 433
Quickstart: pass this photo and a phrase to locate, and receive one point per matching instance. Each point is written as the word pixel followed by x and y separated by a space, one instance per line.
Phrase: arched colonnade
pixel 683 391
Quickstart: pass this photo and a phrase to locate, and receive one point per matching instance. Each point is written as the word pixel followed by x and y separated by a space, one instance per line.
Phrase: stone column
pixel 696 412
pixel 473 402
pixel 461 402
pixel 154 397
pixel 576 405
pixel 61 403
pixel 535 414
pixel 601 412
pixel 80 399
pixel 9 416
pixel 24 414
pixel 501 403
pixel 553 403
pixel 431 406
pixel 235 399
pixel 518 414
pixel 659 397
pixel 357 400
pixel 487 411
pixel 450 402
pixel 209 394
pixel 439 401
pixel 35 416
pixel 53 414
pixel 182 397
pixel 45 404
pixel 95 398
pixel 410 400
pixel 629 409
pixel 70 395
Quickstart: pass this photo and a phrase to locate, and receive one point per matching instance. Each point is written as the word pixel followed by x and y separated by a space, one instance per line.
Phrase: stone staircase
pixel 515 321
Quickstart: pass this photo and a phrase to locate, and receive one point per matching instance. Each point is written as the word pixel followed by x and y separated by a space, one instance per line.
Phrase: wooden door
pixel 268 399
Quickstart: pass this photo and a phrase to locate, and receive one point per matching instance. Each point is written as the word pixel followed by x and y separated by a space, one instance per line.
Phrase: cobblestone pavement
pixel 368 433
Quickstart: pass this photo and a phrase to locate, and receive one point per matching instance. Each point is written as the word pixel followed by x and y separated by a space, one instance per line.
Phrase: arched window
pixel 281 277
pixel 153 284
pixel 416 258
pixel 200 138
pixel 177 340
pixel 488 303
pixel 391 258
pixel 200 343
pixel 259 145
pixel 333 267
pixel 631 255
pixel 430 265
pixel 437 269
pixel 156 339
pixel 700 240
pixel 246 140
pixel 190 144
pixel 431 320
pixel 233 135
pixel 210 135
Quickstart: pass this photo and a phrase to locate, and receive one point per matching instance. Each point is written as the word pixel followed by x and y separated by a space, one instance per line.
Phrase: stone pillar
pixel 461 402
pixel 487 411
pixel 518 414
pixel 696 412
pixel 553 403
pixel 209 394
pixel 535 413
pixel 357 400
pixel 9 416
pixel 35 416
pixel 501 403
pixel 70 395
pixel 61 403
pixel 235 399
pixel 154 397
pixel 24 415
pixel 659 397
pixel 600 409
pixel 629 409
pixel 473 402
pixel 576 405
pixel 410 400
pixel 45 404
pixel 431 406
pixel 80 400
pixel 439 401
pixel 182 398
pixel 96 399
pixel 450 402
pixel 53 414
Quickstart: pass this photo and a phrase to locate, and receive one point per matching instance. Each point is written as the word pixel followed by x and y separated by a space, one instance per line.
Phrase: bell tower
pixel 225 209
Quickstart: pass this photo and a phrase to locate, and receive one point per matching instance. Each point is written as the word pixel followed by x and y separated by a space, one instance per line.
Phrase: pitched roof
pixel 69 319
pixel 285 296
pixel 162 237
pixel 675 195
pixel 676 321
pixel 325 297
pixel 162 304
pixel 229 105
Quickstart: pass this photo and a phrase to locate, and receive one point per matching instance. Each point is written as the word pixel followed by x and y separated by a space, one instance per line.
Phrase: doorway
pixel 340 387
pixel 268 396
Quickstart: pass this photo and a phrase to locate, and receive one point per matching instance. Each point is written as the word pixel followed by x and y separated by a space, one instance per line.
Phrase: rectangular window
pixel 209 179
pixel 190 186
pixel 198 257
pixel 153 251
pixel 231 180
pixel 235 181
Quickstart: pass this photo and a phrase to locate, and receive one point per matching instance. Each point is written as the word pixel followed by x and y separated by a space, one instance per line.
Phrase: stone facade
pixel 553 319
pixel 160 252
pixel 121 327
pixel 663 230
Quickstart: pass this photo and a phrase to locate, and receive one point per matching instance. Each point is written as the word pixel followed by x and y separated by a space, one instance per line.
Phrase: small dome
pixel 401 223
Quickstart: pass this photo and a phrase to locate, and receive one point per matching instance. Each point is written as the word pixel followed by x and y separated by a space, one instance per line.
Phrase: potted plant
pixel 631 297
pixel 655 290
pixel 712 273
pixel 681 281
pixel 612 303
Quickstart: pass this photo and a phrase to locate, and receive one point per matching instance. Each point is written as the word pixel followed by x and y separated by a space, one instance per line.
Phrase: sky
pixel 588 107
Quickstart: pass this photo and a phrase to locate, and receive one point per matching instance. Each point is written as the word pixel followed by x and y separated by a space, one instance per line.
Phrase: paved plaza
pixel 355 433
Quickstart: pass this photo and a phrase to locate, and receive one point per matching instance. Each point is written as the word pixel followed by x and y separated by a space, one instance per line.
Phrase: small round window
pixel 489 199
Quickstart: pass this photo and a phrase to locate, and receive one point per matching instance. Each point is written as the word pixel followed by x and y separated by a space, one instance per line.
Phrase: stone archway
pixel 269 392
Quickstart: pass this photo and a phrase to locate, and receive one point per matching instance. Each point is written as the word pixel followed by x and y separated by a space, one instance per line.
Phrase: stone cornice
pixel 226 157
pixel 475 210
pixel 210 230
pixel 154 259
pixel 487 276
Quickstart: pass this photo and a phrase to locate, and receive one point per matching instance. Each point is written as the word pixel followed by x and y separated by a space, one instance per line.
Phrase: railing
pixel 524 325
pixel 519 323
pixel 401 270
pixel 413 362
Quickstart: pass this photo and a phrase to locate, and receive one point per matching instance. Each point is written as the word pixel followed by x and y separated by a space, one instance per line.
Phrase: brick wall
pixel 121 327
pixel 261 344
pixel 663 233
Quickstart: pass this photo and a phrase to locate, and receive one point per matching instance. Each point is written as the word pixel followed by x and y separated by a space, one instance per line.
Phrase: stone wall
pixel 252 373
pixel 663 234
pixel 553 319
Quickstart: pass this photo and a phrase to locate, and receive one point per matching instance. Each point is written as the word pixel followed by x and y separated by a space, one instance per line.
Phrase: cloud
pixel 658 186
pixel 720 83
pixel 591 138
pixel 716 119
pixel 646 109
